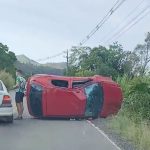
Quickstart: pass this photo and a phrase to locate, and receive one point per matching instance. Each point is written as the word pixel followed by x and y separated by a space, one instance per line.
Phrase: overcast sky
pixel 42 28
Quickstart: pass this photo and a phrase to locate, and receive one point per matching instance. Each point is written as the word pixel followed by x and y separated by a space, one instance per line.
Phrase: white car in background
pixel 6 109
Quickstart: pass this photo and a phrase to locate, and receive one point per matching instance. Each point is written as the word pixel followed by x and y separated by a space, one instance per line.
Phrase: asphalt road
pixel 34 134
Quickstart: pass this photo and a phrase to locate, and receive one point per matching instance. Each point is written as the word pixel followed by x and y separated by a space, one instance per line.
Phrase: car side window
pixel 60 83
pixel 1 87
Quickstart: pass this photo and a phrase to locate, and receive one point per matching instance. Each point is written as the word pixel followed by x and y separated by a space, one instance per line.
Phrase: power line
pixel 97 26
pixel 122 22
pixel 127 24
pixel 101 23
pixel 117 4
pixel 141 18
pixel 53 56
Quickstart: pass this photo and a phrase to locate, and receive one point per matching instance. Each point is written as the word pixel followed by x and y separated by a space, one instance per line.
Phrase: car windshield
pixel 94 96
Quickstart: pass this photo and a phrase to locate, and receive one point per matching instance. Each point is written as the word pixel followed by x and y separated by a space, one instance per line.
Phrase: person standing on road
pixel 20 89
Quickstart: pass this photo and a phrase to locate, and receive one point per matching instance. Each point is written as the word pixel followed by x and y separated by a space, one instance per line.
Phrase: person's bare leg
pixel 19 109
pixel 22 108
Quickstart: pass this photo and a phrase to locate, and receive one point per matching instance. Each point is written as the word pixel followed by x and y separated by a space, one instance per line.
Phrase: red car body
pixel 59 96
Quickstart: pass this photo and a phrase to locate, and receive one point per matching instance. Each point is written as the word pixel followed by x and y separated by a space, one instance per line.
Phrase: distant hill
pixel 25 60
pixel 60 65
pixel 30 67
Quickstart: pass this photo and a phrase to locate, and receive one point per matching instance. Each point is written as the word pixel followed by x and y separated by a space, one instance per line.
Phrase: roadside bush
pixel 124 82
pixel 138 101
pixel 7 79
pixel 83 73
pixel 136 93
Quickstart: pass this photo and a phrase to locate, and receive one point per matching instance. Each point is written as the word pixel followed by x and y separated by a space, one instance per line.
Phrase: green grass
pixel 138 133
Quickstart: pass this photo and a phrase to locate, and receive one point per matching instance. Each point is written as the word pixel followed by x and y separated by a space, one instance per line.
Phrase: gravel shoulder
pixel 103 124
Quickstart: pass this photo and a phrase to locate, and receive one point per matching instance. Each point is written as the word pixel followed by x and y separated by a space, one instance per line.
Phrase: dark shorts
pixel 19 97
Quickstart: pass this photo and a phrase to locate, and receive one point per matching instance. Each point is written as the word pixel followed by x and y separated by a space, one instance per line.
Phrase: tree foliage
pixel 7 79
pixel 136 97
pixel 143 52
pixel 7 59
pixel 112 61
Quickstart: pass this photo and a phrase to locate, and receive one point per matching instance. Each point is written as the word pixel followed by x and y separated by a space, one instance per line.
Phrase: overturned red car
pixel 72 97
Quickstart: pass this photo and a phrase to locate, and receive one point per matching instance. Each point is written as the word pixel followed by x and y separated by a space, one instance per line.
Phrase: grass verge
pixel 138 133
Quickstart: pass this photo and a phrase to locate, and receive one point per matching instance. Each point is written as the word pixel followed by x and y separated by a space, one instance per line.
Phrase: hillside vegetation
pixel 30 69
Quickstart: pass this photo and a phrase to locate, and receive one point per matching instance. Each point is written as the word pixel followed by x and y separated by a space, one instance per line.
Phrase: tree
pixel 112 61
pixel 130 65
pixel 143 51
pixel 76 59
pixel 7 59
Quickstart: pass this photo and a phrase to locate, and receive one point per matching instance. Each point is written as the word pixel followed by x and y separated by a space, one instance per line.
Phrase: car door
pixel 64 101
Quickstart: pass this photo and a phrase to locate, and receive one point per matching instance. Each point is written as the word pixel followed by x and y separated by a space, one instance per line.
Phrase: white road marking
pixel 101 132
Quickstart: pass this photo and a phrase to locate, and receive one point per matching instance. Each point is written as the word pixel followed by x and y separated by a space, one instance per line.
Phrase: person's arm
pixel 15 86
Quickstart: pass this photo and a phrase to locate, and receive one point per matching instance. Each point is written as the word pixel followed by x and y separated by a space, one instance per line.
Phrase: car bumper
pixel 6 111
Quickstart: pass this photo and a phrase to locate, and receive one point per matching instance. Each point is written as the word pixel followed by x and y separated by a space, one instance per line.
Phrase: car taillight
pixel 6 99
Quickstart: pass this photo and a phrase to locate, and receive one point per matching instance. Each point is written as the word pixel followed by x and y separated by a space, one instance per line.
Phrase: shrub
pixel 83 73
pixel 138 100
pixel 136 93
pixel 124 82
pixel 7 79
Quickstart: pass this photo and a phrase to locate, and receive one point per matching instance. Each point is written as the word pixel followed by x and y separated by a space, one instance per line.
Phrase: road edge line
pixel 106 136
